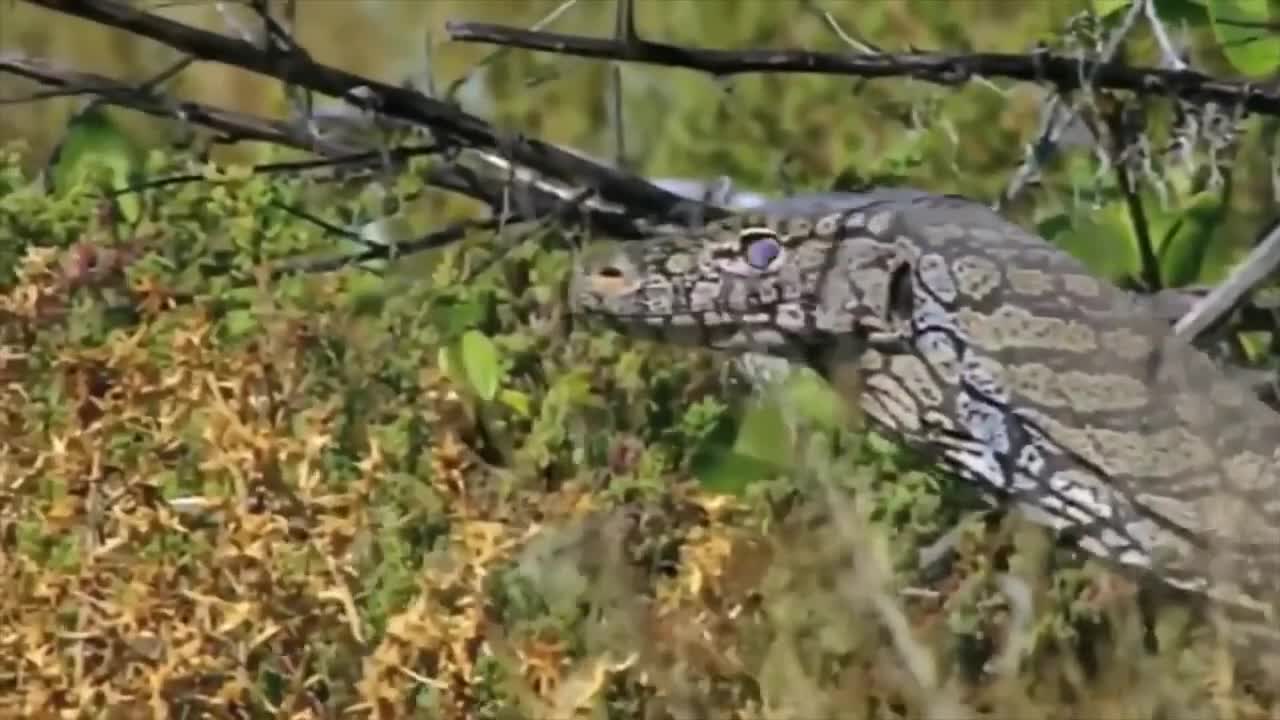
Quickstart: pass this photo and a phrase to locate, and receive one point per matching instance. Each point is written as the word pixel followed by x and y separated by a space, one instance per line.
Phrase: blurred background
pixel 824 122
pixel 774 133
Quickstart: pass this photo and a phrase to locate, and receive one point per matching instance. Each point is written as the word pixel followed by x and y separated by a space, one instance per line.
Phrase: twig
pixel 351 160
pixel 624 31
pixel 1168 54
pixel 1260 262
pixel 237 125
pixel 543 194
pixel 1056 118
pixel 940 68
pixel 551 17
pixel 1116 38
pixel 430 241
pixel 319 222
pixel 1133 201
pixel 167 74
pixel 846 37
pixel 502 252
pixel 402 103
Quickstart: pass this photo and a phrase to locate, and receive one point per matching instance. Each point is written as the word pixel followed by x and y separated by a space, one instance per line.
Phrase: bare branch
pixel 402 103
pixel 1122 134
pixel 1261 262
pixel 551 17
pixel 482 175
pixel 1061 71
pixel 1255 24
pixel 624 31
pixel 433 240
pixel 845 36
pixel 1169 56
pixel 239 126
pixel 354 160
pixel 1057 114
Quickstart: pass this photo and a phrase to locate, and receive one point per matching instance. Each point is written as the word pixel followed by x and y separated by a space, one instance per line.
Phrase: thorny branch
pixel 1042 66
pixel 445 120
pixel 481 175
pixel 235 126
pixel 540 199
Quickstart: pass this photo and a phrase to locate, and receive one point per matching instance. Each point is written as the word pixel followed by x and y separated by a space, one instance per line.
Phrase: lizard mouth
pixel 609 285
pixel 717 331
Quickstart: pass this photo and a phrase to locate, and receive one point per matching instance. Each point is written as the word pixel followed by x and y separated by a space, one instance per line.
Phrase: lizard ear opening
pixel 901 301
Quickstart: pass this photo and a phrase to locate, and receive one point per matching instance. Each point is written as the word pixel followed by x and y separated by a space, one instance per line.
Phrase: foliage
pixel 425 492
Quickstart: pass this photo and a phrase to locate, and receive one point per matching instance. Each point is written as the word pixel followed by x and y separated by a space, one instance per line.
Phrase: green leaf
pixel 453 315
pixel 1103 8
pixel 724 471
pixel 1252 50
pixel 366 293
pixel 517 401
pixel 764 434
pixel 1183 249
pixel 240 322
pixel 806 393
pixel 389 231
pixel 1193 12
pixel 1102 239
pixel 480 363
pixel 760 449
pixel 92 137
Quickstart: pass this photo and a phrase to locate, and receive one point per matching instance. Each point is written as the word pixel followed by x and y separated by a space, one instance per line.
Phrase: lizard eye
pixel 761 248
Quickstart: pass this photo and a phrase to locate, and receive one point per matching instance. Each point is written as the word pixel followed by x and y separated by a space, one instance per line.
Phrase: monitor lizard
pixel 999 354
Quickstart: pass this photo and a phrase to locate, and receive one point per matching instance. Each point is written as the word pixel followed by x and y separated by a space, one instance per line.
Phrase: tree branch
pixel 237 125
pixel 430 241
pixel 1061 71
pixel 405 104
pixel 479 174
pixel 1219 302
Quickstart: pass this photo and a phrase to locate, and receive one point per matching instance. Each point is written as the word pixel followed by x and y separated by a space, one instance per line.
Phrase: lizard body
pixel 1001 355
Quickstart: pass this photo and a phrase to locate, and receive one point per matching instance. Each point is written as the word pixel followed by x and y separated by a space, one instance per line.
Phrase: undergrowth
pixel 224 495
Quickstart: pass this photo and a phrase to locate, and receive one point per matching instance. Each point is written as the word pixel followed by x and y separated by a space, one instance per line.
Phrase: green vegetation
pixel 420 490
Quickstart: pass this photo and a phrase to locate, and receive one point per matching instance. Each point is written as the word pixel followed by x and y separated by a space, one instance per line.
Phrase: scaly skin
pixel 1000 354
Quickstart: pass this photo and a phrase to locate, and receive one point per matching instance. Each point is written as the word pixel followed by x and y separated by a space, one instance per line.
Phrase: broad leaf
pixel 93 137
pixel 726 471
pixel 761 449
pixel 764 434
pixel 480 364
pixel 1183 249
pixel 1102 239
pixel 807 394
pixel 1239 26
pixel 1105 8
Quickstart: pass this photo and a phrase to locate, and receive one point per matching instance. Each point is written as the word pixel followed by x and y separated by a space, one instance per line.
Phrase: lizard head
pixel 744 283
